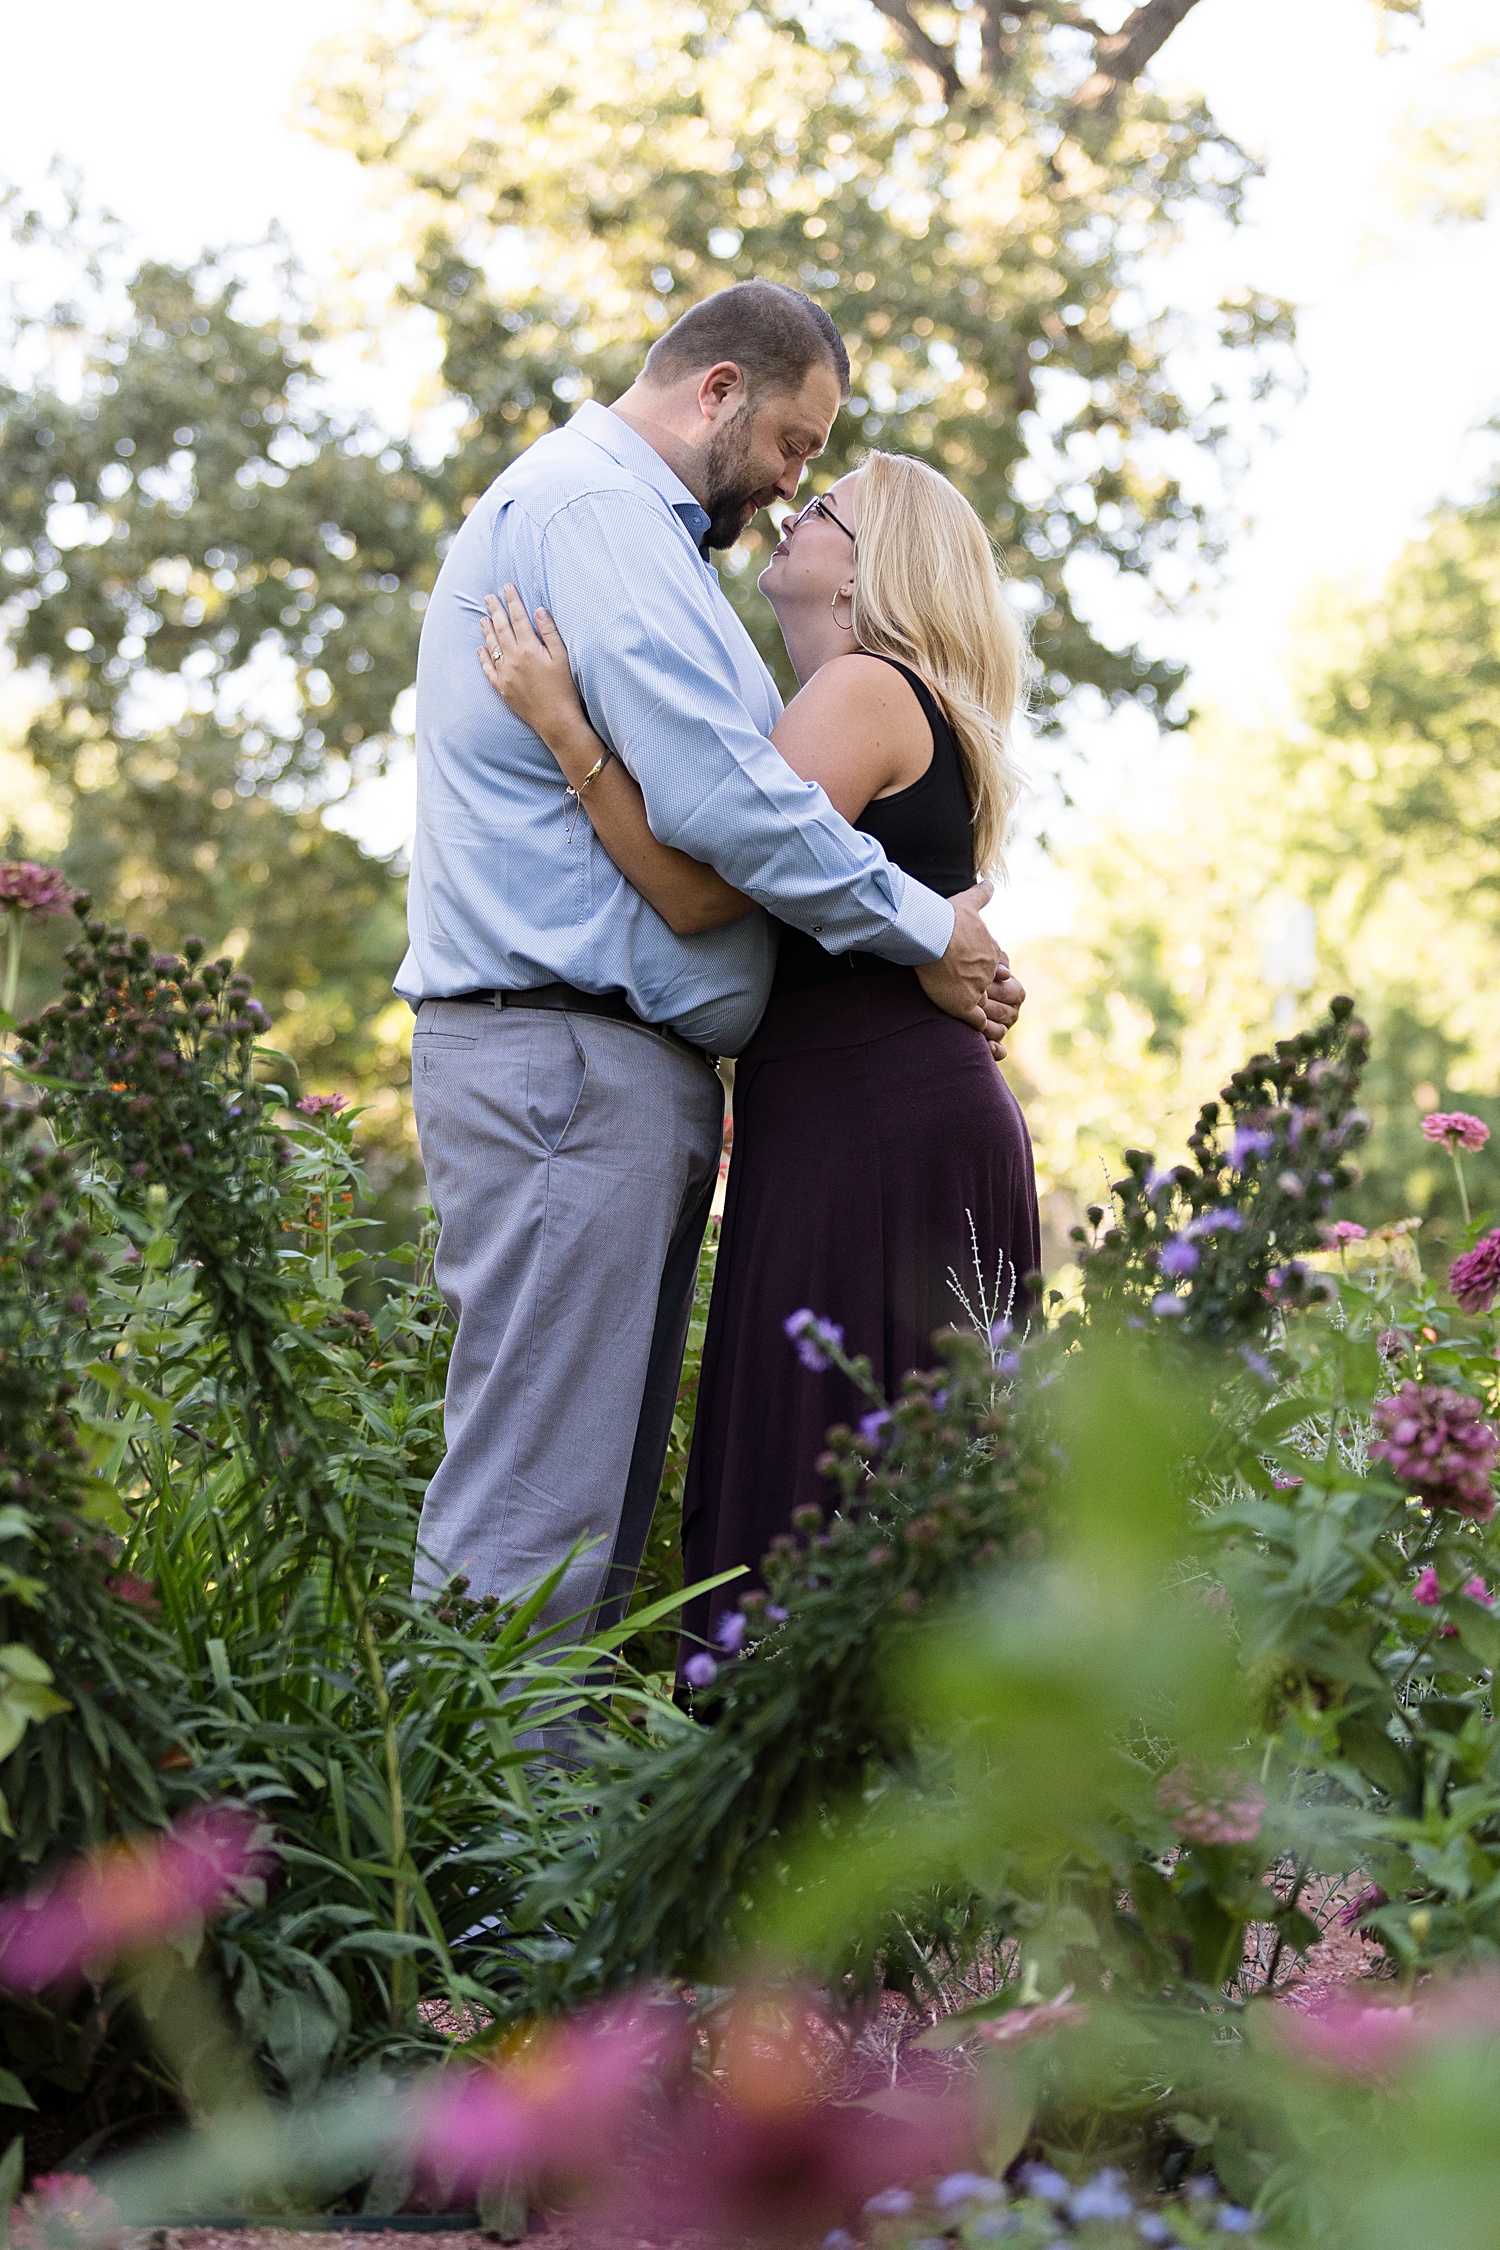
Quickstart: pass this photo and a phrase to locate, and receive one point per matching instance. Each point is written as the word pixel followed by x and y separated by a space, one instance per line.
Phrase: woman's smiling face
pixel 814 558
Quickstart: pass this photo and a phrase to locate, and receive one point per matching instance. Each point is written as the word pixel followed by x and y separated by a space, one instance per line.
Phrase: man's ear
pixel 722 391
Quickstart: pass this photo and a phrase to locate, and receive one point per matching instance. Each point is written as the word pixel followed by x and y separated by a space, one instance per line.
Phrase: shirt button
pixel 817 929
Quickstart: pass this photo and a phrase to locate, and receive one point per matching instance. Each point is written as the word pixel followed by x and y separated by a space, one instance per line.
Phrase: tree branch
pixel 923 49
pixel 1122 55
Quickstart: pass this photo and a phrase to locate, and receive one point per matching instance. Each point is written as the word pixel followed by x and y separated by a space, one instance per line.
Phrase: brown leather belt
pixel 568 999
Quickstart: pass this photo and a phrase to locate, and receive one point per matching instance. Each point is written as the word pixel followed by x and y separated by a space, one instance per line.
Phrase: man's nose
pixel 789 479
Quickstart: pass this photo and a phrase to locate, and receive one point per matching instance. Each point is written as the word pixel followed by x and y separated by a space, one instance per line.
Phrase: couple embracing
pixel 630 862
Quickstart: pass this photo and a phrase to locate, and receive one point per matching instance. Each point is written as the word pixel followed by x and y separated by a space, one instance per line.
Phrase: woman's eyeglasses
pixel 821 505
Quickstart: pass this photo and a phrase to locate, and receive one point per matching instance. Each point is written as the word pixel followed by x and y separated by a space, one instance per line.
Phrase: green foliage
pixel 576 177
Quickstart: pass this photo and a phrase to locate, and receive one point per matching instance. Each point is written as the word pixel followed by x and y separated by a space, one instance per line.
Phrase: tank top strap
pixel 932 710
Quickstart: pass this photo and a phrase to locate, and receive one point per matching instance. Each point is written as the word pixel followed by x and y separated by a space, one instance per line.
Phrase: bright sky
pixel 175 113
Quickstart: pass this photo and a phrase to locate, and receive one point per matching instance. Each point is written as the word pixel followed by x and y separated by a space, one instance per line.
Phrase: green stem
pixel 400 1968
pixel 12 959
pixel 1458 1173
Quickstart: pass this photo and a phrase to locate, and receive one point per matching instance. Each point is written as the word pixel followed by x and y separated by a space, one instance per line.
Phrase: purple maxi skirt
pixel 871 1132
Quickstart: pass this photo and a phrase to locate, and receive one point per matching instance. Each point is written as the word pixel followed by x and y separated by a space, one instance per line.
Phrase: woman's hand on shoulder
pixel 857 730
pixel 527 666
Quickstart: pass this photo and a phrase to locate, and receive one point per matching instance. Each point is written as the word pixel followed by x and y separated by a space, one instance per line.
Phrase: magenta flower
pixel 1440 1447
pixel 1349 2035
pixel 1211 1808
pixel 26 888
pixel 323 1105
pixel 138 1892
pixel 1455 1128
pixel 815 1339
pixel 1341 1232
pixel 1474 1277
pixel 1427 1591
pixel 1349 1917
pixel 63 2209
pixel 559 2111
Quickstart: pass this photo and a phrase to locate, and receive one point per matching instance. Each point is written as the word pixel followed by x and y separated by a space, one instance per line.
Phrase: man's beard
pixel 729 497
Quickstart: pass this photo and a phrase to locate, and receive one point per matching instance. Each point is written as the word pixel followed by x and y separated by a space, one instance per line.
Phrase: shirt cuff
pixel 921 930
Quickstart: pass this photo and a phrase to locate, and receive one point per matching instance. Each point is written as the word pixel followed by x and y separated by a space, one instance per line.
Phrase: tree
pixel 220 585
pixel 577 174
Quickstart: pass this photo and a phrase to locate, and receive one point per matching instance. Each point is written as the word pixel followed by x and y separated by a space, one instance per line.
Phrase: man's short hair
pixel 774 335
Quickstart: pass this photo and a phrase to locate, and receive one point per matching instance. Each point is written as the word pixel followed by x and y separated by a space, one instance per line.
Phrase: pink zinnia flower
pixel 558 2110
pixel 136 1893
pixel 1455 1128
pixel 1349 2035
pixel 1440 1447
pixel 33 889
pixel 63 2208
pixel 1211 1808
pixel 1474 1277
pixel 1343 1231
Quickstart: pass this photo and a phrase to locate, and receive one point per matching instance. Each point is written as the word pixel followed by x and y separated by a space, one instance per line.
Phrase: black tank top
pixel 926 829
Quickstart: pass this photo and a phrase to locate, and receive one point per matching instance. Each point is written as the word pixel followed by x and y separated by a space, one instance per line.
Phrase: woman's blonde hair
pixel 928 589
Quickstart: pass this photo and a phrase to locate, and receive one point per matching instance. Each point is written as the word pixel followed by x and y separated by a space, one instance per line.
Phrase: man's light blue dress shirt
pixel 592 523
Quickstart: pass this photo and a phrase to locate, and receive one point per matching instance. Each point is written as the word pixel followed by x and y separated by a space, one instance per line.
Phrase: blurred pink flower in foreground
pixel 555 2110
pixel 62 2211
pixel 1018 2027
pixel 1366 2039
pixel 135 1893
pixel 1455 1128
pixel 1342 1231
pixel 1211 1808
pixel 605 2105
pixel 33 889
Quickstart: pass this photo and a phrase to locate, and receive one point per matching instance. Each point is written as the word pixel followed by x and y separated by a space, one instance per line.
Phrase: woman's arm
pixel 857 730
pixel 528 667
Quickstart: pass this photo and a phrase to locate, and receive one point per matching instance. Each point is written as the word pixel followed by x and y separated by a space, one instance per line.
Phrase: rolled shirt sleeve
pixel 655 685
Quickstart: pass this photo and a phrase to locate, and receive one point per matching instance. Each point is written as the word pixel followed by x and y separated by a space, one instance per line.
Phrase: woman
pixel 882 1172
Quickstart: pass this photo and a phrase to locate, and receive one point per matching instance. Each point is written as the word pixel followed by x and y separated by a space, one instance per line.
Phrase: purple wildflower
pixel 775 1614
pixel 1474 1278
pixel 814 1338
pixel 891 2203
pixel 1177 1257
pixel 1235 2219
pixel 700 1671
pixel 1044 2183
pixel 1165 1305
pixel 27 888
pixel 967 2187
pixel 1349 1917
pixel 730 1631
pixel 872 1427
pixel 1246 1141
pixel 1103 2198
pixel 1341 1232
pixel 1258 1364
pixel 1440 1447
pixel 323 1105
pixel 1455 1128
pixel 1223 1219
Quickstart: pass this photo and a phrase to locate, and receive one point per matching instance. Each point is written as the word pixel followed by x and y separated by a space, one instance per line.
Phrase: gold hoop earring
pixel 839 621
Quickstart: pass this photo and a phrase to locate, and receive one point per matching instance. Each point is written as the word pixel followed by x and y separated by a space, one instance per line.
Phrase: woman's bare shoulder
pixel 857 728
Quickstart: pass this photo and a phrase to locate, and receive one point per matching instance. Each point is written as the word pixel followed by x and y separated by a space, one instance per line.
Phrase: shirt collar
pixel 625 445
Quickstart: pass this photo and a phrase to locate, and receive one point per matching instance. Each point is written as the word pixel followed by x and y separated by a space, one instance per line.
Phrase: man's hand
pixel 1002 1004
pixel 960 981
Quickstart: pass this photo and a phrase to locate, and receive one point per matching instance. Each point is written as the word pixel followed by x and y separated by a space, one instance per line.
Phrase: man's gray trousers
pixel 571 1161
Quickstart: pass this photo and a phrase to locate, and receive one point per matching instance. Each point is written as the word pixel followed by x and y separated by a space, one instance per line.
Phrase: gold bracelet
pixel 573 796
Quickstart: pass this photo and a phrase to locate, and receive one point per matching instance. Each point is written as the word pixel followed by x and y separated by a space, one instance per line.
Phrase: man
pixel 567 1103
